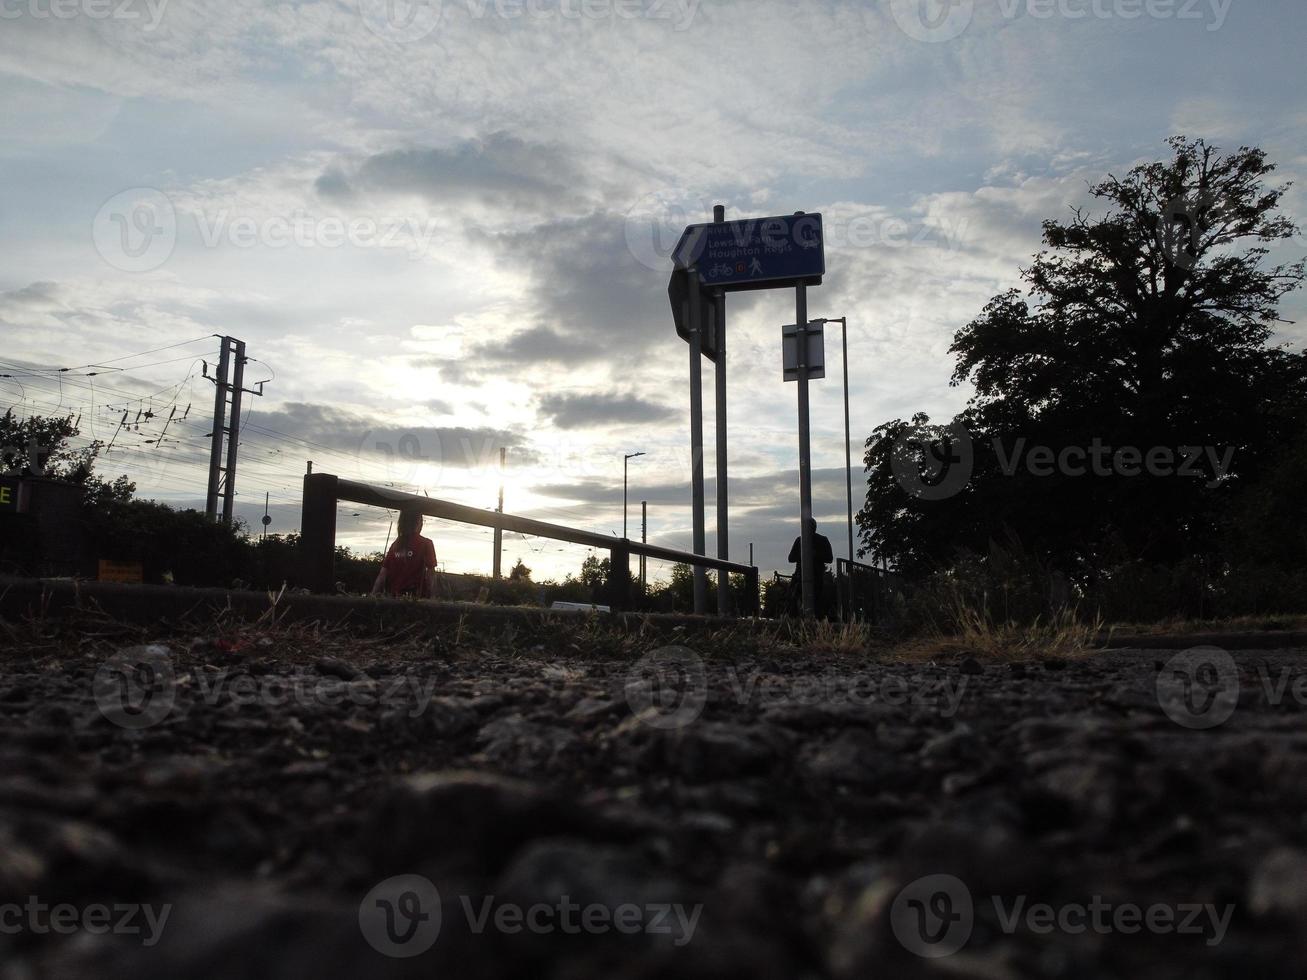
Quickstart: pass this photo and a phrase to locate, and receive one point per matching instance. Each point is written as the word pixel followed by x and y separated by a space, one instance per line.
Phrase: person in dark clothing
pixel 822 556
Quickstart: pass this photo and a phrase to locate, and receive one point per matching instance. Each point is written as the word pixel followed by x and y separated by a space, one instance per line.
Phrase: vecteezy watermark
pixel 137 230
pixel 932 462
pixel 667 688
pixel 299 229
pixel 149 11
pixel 307 691
pixel 64 919
pixel 402 21
pixel 930 20
pixel 1199 688
pixel 935 21
pixel 942 692
pixel 1185 224
pixel 1284 682
pixel 402 917
pixel 934 916
pixel 29 460
pixel 401 457
pixel 654 223
pixel 137 688
pixel 680 13
pixel 405 21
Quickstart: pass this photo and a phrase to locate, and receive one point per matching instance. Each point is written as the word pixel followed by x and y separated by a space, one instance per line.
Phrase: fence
pixel 867 594
pixel 322 491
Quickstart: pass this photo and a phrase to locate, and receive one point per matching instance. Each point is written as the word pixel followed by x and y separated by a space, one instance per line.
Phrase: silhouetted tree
pixel 1145 327
pixel 37 446
pixel 594 571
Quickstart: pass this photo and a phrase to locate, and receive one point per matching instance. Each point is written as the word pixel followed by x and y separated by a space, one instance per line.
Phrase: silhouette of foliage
pixel 1147 327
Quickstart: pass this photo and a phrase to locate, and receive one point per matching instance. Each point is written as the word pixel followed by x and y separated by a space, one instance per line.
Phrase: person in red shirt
pixel 409 567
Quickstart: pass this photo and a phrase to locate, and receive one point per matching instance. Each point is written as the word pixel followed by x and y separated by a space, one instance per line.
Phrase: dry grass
pixel 961 628
pixel 1235 624
pixel 969 630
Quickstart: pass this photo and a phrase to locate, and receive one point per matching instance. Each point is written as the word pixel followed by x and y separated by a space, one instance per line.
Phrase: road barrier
pixel 322 491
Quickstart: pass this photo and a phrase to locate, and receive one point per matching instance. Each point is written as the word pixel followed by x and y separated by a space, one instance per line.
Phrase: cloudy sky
pixel 442 229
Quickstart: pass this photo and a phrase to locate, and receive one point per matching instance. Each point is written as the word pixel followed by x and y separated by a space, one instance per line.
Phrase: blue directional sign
pixel 754 253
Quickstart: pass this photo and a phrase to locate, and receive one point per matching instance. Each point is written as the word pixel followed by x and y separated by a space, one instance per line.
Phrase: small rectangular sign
pixel 816 336
pixel 13 500
pixel 755 253
pixel 125 572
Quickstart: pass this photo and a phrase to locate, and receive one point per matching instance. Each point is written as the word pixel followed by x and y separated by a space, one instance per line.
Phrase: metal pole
pixel 626 460
pixel 696 440
pixel 233 434
pixel 723 509
pixel 644 539
pixel 805 457
pixel 318 533
pixel 848 457
pixel 499 531
pixel 219 428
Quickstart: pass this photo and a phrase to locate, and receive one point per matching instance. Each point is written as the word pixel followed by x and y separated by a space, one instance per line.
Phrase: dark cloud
pixel 397 444
pixel 499 169
pixel 592 299
pixel 334 184
pixel 39 294
pixel 568 411
pixel 777 488
pixel 537 345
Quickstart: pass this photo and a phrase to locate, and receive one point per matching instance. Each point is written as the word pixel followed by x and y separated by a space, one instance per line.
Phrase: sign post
pixel 805 455
pixel 723 508
pixel 803 359
pixel 696 439
pixel 711 260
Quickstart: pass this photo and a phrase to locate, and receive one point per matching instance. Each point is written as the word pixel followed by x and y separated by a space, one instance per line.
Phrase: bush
pixel 185 545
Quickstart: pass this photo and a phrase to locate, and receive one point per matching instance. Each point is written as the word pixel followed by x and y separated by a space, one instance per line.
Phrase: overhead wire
pixel 256 477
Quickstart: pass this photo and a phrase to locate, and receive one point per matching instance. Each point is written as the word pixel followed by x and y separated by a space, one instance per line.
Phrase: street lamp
pixel 626 459
pixel 848 457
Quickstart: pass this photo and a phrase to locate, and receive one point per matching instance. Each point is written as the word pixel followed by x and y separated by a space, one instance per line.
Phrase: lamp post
pixel 625 460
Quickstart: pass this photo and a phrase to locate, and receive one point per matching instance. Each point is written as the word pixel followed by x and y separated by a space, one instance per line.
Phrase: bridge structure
pixel 322 491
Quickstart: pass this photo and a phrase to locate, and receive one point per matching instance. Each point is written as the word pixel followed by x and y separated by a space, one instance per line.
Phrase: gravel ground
pixel 319 806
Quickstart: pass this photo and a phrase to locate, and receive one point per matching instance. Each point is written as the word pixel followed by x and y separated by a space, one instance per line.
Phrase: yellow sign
pixel 11 497
pixel 127 572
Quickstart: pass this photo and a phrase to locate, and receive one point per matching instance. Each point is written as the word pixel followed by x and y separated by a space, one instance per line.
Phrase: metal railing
pixel 322 491
pixel 867 594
